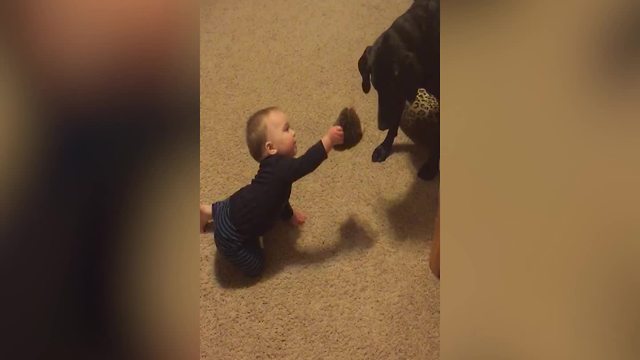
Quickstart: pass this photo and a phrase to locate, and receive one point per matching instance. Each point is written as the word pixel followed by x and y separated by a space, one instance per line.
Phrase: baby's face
pixel 281 139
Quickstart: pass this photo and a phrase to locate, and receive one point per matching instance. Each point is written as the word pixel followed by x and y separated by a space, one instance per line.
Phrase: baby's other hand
pixel 297 218
pixel 336 135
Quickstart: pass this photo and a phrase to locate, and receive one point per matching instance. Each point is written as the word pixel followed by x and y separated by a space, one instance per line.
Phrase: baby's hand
pixel 336 135
pixel 297 218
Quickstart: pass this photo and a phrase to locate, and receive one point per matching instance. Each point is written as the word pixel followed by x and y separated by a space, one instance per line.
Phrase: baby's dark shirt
pixel 255 208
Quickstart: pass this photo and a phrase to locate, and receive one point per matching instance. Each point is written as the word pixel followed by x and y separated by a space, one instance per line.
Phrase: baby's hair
pixel 257 132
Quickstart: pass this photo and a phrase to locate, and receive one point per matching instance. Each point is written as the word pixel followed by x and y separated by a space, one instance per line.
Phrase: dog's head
pixel 395 74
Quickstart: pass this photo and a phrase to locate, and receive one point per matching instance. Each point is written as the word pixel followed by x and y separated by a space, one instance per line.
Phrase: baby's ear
pixel 271 150
pixel 364 66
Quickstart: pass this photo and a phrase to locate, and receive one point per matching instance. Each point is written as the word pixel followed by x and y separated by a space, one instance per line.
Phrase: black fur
pixel 403 59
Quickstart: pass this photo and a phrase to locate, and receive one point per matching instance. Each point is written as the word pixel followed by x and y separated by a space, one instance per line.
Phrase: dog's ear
pixel 364 66
pixel 409 73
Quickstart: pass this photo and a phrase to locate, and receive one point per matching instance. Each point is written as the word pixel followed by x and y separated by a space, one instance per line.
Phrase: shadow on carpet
pixel 413 215
pixel 281 251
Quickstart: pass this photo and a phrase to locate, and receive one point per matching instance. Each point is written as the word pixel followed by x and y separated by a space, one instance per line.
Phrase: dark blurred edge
pixel 61 239
pixel 540 164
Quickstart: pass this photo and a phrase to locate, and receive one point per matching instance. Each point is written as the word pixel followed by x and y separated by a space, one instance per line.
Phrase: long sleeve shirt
pixel 255 208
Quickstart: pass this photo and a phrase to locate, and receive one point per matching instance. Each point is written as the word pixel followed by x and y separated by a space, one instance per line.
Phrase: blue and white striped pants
pixel 243 252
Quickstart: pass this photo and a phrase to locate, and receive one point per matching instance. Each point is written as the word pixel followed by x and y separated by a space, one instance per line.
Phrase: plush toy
pixel 352 128
pixel 421 120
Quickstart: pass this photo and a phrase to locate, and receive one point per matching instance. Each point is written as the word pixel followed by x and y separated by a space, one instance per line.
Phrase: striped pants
pixel 243 252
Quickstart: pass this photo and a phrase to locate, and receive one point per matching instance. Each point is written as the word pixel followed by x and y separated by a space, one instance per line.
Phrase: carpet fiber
pixel 353 282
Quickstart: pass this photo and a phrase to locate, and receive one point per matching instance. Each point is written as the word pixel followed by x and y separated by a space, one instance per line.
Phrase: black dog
pixel 403 59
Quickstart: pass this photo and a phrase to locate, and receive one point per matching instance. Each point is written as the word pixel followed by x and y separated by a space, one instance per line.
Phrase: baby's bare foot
pixel 206 218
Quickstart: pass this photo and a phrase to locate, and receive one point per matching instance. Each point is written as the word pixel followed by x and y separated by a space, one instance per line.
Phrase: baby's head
pixel 269 133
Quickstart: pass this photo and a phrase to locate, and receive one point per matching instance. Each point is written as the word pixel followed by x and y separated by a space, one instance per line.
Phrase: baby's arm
pixel 287 212
pixel 335 136
pixel 293 216
pixel 303 165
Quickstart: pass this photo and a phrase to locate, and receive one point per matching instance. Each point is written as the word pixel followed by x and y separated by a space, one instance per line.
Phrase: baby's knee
pixel 256 270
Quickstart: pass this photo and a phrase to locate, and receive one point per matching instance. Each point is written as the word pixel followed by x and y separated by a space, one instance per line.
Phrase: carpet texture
pixel 353 282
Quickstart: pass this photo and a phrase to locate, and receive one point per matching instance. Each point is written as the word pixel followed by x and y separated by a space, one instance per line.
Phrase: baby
pixel 241 219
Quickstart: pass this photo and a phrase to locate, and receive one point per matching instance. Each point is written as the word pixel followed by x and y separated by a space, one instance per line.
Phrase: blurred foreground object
pixel 434 256
pixel 92 252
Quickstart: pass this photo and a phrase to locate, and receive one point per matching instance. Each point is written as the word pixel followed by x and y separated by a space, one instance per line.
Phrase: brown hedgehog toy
pixel 350 123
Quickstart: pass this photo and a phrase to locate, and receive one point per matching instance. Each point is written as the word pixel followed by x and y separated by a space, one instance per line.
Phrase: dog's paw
pixel 380 154
pixel 428 172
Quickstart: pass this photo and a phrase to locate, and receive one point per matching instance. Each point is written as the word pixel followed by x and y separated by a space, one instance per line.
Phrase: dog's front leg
pixel 431 167
pixel 382 152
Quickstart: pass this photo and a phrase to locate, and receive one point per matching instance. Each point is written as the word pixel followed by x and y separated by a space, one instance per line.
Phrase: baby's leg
pixel 249 257
pixel 206 218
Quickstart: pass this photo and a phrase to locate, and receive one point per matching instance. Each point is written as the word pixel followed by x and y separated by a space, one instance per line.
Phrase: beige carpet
pixel 353 282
